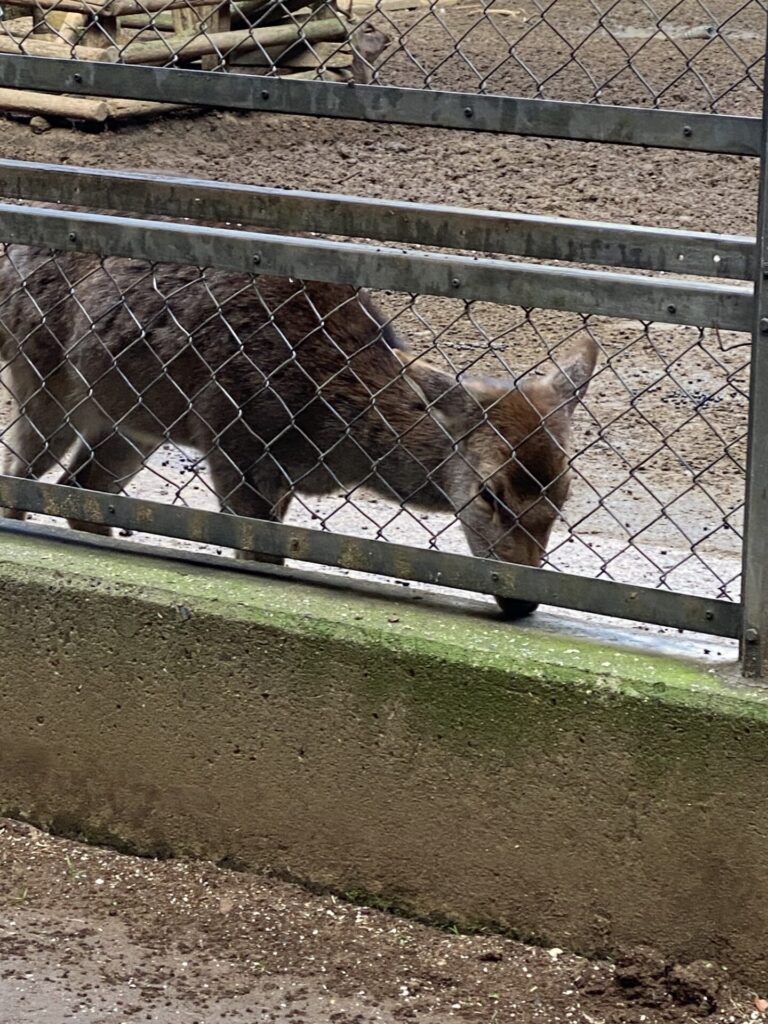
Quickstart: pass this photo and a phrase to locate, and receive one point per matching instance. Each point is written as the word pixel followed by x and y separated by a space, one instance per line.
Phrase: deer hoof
pixel 512 609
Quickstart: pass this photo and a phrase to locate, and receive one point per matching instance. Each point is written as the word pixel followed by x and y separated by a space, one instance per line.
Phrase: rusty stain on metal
pixel 94 512
pixel 144 518
pixel 52 507
pixel 352 555
pixel 296 547
pixel 403 566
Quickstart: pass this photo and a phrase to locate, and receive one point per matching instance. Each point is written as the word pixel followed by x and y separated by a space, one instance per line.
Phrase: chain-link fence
pixel 687 54
pixel 268 396
pixel 605 448
pixel 450 407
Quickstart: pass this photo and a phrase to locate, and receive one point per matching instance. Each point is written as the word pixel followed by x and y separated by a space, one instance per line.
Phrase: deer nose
pixel 512 608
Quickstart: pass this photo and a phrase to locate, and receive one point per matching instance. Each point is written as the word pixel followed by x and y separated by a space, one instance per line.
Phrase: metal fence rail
pixel 662 300
pixel 443 569
pixel 635 126
pixel 697 253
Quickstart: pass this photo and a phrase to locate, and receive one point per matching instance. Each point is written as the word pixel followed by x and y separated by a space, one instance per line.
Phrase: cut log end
pixel 51 105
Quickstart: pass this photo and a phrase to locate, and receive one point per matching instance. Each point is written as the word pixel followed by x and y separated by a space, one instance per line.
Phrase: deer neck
pixel 426 470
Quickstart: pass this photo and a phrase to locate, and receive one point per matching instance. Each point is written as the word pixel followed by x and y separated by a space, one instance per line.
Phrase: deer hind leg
pixel 34 442
pixel 108 466
pixel 269 499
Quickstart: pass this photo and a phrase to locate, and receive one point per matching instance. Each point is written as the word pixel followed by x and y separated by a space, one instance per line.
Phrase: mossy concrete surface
pixel 455 767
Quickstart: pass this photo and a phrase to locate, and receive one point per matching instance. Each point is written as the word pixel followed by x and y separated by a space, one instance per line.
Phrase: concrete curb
pixel 454 767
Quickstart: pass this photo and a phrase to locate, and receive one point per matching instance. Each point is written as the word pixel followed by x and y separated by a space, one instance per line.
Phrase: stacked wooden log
pixel 295 38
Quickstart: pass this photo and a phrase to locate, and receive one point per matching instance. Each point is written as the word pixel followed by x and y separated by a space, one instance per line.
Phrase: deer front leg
pixel 238 495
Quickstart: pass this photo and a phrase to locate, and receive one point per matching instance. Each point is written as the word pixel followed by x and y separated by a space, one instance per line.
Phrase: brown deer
pixel 282 387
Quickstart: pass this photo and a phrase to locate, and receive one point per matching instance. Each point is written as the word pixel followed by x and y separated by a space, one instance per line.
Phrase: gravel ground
pixel 94 935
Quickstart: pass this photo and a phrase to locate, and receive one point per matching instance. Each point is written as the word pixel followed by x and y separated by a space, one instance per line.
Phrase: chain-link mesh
pixel 433 422
pixel 687 54
pixel 696 54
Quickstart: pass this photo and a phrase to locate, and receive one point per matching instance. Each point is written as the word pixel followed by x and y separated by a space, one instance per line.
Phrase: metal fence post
pixel 754 635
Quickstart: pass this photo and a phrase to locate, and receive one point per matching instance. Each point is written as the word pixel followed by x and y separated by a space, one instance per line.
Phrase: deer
pixel 282 387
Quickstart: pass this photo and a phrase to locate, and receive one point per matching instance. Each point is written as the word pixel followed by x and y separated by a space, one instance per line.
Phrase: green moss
pixel 346 616
pixel 515 685
pixel 71 826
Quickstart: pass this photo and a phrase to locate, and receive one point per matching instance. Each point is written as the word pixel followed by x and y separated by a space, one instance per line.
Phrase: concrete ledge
pixel 457 767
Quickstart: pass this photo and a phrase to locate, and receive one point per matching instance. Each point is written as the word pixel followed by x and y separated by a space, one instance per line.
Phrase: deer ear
pixel 572 374
pixel 487 392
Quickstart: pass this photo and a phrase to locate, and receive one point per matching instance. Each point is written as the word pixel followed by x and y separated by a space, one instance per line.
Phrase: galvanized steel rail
pixel 460 572
pixel 696 253
pixel 507 115
pixel 664 300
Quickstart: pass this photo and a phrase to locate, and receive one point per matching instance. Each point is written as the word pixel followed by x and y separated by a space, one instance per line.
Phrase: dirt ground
pixel 623 51
pixel 90 934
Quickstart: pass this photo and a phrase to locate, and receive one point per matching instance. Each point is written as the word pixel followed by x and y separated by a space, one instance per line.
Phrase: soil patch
pixel 87 933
